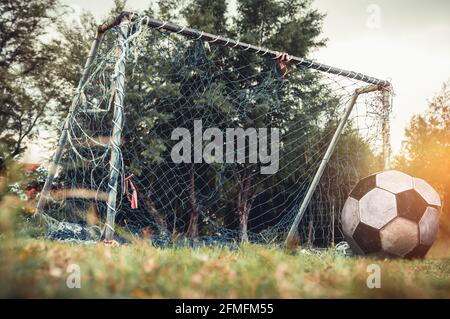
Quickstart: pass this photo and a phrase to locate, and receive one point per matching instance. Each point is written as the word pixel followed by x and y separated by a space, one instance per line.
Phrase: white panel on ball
pixel 426 191
pixel 377 208
pixel 428 226
pixel 394 181
pixel 350 216
pixel 400 236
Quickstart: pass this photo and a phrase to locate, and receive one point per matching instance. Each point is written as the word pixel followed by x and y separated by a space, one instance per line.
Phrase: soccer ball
pixel 391 214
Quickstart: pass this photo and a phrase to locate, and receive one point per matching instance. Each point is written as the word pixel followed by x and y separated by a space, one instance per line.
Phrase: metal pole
pixel 217 39
pixel 53 165
pixel 386 128
pixel 291 237
pixel 118 121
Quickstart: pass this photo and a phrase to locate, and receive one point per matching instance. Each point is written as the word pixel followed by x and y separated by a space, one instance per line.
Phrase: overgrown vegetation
pixel 39 269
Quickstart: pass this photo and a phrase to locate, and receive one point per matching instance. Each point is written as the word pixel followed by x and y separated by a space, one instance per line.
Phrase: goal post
pixel 385 131
pixel 54 161
pixel 118 119
pixel 291 240
pixel 187 85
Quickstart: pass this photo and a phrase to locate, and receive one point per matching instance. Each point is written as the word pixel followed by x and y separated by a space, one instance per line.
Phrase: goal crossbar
pixel 231 43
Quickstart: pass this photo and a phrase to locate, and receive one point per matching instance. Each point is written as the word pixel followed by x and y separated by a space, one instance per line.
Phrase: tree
pixel 291 26
pixel 426 148
pixel 26 80
pixel 71 47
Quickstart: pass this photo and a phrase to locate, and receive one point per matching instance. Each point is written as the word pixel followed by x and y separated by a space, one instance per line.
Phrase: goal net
pixel 185 137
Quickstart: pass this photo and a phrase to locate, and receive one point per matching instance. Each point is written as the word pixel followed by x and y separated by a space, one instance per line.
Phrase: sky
pixel 410 46
pixel 405 41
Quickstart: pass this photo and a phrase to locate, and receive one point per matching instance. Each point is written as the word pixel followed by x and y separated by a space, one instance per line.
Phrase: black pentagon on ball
pixel 410 205
pixel 368 238
pixel 363 187
pixel 418 252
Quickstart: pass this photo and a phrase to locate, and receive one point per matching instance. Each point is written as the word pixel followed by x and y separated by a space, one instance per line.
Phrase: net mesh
pixel 173 82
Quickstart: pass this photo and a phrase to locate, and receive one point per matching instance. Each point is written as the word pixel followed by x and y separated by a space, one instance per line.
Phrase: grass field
pixel 37 268
pixel 33 268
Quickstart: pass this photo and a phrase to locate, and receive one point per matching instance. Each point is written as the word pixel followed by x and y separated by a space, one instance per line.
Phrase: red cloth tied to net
pixel 131 195
pixel 282 59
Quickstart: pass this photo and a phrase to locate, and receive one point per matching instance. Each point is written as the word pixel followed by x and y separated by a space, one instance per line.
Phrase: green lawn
pixel 31 268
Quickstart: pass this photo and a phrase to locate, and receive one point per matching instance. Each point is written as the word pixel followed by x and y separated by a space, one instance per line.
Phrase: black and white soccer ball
pixel 391 214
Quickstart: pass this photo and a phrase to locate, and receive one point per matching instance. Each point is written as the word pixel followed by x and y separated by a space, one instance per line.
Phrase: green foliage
pixel 71 47
pixel 27 82
pixel 426 148
pixel 14 207
pixel 10 204
pixel 208 15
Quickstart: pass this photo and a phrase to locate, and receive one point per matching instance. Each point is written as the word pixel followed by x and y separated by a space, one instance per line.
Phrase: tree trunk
pixel 154 213
pixel 243 223
pixel 150 206
pixel 244 201
pixel 310 232
pixel 174 228
pixel 192 231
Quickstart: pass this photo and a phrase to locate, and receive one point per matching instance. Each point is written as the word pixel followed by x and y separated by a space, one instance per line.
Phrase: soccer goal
pixel 179 135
